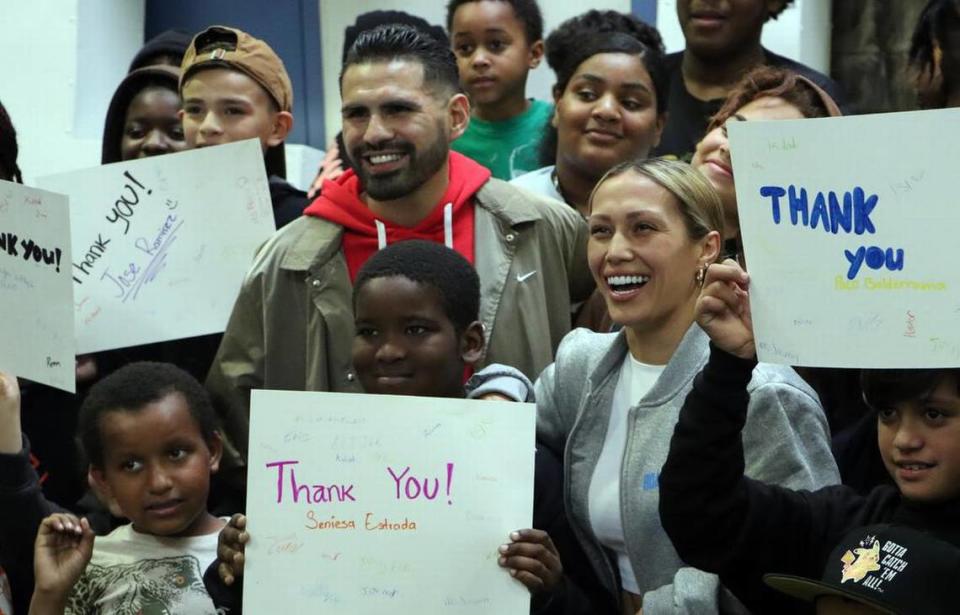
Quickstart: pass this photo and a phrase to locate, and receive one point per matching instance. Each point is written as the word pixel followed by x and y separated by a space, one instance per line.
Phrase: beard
pixel 421 166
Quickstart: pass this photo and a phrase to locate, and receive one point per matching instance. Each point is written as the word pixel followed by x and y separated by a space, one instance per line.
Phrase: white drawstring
pixel 447 229
pixel 448 225
pixel 381 235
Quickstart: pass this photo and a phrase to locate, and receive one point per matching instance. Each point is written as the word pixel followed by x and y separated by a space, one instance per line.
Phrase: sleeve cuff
pixel 726 370
pixel 503 379
pixel 16 470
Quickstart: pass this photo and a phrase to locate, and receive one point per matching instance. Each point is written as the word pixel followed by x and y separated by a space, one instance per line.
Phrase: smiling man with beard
pixel 292 325
pixel 722 45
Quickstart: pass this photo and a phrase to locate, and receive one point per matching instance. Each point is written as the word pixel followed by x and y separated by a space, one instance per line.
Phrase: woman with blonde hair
pixel 609 404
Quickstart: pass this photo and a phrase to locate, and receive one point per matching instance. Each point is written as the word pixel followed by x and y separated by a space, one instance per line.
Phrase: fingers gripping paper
pixel 36 326
pixel 161 244
pixel 849 226
pixel 380 504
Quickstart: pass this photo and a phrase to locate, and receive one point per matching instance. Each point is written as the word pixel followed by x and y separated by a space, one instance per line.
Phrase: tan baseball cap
pixel 220 45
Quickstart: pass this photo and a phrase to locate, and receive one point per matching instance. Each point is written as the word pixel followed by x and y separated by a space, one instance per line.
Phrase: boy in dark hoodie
pixel 741 529
pixel 165 49
pixel 235 87
pixel 143 118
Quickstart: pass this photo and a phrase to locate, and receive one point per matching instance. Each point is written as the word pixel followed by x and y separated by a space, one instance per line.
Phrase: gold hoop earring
pixel 701 275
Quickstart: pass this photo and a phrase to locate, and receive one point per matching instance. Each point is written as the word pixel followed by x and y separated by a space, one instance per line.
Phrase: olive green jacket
pixel 292 325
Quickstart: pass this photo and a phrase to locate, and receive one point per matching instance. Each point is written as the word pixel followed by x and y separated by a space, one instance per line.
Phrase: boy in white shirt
pixel 152 440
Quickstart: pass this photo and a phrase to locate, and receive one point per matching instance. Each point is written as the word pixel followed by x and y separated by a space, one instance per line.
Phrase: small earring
pixel 701 275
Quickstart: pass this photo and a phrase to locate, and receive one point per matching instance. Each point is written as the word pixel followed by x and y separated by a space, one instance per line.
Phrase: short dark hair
pixel 134 386
pixel 8 148
pixel 593 32
pixel 775 14
pixel 430 264
pixel 527 12
pixel 372 19
pixel 882 388
pixel 937 27
pixel 401 42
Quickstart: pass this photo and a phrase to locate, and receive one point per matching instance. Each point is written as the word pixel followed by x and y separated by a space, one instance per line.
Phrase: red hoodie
pixel 340 202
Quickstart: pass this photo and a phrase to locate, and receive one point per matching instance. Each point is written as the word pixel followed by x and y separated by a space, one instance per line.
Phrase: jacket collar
pixel 506 203
pixel 318 240
pixel 687 361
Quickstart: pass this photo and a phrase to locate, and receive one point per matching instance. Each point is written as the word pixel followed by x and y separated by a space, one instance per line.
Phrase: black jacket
pixel 724 523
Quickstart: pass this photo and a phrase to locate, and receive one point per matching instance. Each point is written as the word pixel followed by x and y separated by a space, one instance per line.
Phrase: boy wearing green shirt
pixel 497 43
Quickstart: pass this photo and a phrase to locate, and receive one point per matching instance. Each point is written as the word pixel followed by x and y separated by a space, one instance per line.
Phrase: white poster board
pixel 36 322
pixel 399 507
pixel 849 228
pixel 161 244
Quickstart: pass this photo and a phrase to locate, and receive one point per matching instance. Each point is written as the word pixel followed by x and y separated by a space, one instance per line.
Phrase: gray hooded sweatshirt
pixel 786 442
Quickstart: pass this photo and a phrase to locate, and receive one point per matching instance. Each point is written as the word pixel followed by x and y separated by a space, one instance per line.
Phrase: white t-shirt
pixel 131 572
pixel 636 379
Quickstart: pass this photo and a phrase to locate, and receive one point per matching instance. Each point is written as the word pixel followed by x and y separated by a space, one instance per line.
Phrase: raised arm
pixel 21 499
pixel 719 520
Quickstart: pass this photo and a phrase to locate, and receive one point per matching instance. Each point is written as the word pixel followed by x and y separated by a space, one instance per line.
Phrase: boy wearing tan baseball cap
pixel 235 87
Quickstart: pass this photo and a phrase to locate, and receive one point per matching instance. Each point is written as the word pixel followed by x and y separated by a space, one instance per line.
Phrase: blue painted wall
pixel 291 27
pixel 645 10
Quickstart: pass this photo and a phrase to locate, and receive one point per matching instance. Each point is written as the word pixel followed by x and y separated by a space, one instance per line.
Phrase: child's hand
pixel 494 396
pixel 330 169
pixel 10 440
pixel 533 560
pixel 723 309
pixel 63 549
pixel 86 368
pixel 230 547
pixel 9 395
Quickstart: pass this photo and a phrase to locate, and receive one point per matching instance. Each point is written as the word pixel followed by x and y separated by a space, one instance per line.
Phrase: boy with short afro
pixel 416 306
pixel 152 439
pixel 497 43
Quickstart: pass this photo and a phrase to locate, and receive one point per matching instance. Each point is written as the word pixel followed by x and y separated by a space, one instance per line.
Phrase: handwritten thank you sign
pixel 380 504
pixel 160 245
pixel 849 226
pixel 36 326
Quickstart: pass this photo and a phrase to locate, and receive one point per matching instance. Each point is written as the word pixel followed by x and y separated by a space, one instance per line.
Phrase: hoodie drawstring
pixel 447 229
pixel 448 225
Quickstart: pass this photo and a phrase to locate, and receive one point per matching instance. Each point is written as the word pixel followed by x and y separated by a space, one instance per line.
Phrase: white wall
pixel 64 58
pixel 62 61
pixel 335 16
pixel 801 32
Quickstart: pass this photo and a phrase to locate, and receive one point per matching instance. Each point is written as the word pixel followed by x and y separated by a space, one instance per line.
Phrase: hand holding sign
pixel 723 309
pixel 533 560
pixel 231 544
